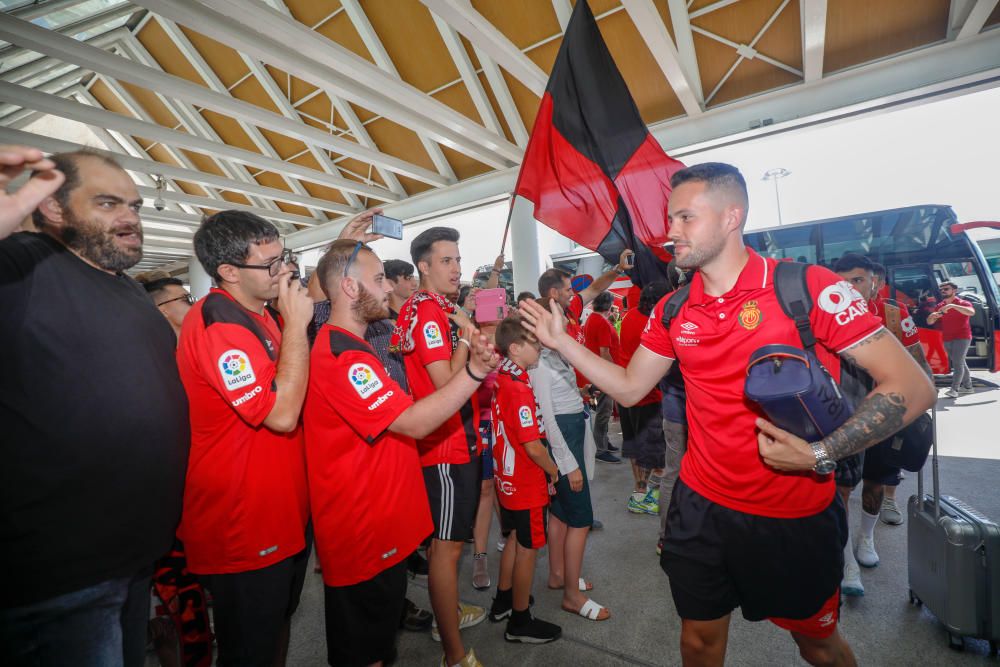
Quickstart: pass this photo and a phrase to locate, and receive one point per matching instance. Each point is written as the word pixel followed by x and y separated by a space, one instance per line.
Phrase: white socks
pixel 868 522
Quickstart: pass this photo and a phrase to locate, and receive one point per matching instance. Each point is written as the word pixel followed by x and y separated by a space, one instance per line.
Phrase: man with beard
pixel 245 498
pixel 755 521
pixel 370 508
pixel 95 425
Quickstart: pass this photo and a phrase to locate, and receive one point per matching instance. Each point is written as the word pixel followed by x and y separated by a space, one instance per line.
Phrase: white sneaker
pixel 951 393
pixel 865 552
pixel 966 390
pixel 890 513
pixel 851 584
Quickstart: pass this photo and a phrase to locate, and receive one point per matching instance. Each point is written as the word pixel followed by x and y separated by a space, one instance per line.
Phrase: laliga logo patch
pixel 432 335
pixel 750 317
pixel 235 369
pixel 842 301
pixel 909 326
pixel 364 380
pixel 524 414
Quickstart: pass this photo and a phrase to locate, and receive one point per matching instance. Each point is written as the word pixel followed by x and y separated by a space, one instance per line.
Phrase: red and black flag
pixel 591 169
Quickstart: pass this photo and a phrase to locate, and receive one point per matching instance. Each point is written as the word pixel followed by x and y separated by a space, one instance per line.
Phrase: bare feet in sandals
pixel 584 585
pixel 590 610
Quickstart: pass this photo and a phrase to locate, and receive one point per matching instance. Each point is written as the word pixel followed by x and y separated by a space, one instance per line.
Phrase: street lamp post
pixel 775 175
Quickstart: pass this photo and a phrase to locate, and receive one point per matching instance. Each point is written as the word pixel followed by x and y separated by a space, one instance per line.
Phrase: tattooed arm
pixel 917 352
pixel 902 392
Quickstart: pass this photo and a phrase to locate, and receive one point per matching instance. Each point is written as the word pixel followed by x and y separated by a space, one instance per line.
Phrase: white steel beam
pixel 649 24
pixel 375 47
pixel 50 145
pixel 39 65
pixel 502 92
pixel 976 19
pixel 707 9
pixel 58 84
pixel 68 49
pixel 217 204
pixel 463 17
pixel 685 46
pixel 33 10
pixel 563 11
pixel 270 36
pixel 468 73
pixel 8 53
pixel 813 13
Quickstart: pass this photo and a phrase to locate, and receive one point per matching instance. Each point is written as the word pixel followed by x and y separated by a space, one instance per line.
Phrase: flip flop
pixel 585 586
pixel 590 611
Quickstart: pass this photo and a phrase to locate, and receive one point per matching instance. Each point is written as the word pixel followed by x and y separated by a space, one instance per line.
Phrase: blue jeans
pixel 100 626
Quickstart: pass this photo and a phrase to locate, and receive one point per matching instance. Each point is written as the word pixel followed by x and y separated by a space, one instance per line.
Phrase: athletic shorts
pixel 453 490
pixel 784 570
pixel 642 435
pixel 848 472
pixel 571 507
pixel 529 524
pixel 486 437
pixel 876 469
pixel 250 609
pixel 362 619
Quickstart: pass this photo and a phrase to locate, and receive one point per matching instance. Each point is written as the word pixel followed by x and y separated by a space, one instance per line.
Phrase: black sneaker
pixel 501 609
pixel 414 618
pixel 535 631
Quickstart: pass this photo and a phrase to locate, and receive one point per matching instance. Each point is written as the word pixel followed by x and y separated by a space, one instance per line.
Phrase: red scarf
pixel 402 334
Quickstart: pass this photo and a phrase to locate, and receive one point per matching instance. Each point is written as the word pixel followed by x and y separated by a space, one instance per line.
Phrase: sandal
pixel 590 611
pixel 585 586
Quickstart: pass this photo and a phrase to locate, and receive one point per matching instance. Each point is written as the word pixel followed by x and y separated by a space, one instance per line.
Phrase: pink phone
pixel 491 304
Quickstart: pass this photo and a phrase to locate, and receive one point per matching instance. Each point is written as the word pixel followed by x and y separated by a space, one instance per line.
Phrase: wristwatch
pixel 824 465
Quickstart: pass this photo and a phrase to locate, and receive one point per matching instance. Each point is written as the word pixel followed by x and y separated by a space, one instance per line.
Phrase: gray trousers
pixel 957 349
pixel 676 436
pixel 602 416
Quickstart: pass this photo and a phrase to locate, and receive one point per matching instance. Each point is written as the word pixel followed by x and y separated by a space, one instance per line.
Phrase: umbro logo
pixel 689 326
pixel 827 620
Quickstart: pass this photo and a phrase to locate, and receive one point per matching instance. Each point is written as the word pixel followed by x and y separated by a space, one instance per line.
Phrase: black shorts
pixel 530 525
pixel 250 609
pixel 642 435
pixel 362 619
pixel 719 559
pixel 848 472
pixel 453 490
pixel 876 468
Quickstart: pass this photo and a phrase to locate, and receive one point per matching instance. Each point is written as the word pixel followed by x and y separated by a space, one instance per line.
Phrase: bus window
pixel 844 236
pixel 797 243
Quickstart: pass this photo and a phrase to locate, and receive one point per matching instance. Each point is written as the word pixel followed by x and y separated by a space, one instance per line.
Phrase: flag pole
pixel 506 229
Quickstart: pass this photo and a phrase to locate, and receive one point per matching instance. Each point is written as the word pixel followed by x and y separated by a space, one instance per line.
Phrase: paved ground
pixel 883 627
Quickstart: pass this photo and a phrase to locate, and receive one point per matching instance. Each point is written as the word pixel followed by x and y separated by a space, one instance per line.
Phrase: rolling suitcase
pixel 954 562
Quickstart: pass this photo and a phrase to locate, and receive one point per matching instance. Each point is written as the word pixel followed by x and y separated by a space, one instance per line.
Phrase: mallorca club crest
pixel 750 317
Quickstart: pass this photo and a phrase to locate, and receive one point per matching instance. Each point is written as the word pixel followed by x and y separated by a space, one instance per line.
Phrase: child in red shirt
pixel 520 463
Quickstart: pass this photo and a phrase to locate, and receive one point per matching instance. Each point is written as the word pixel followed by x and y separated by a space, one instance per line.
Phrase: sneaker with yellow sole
pixel 468 616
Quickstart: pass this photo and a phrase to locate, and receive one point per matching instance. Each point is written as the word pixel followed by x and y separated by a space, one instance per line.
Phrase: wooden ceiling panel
pixel 235 197
pixel 753 76
pixel 284 146
pixel 714 60
pixel 311 12
pixel 859 31
pixel 319 106
pixel 151 104
pixel 229 130
pixel 783 40
pixel 203 162
pixel 412 186
pixel 665 16
pixel 739 22
pixel 524 22
pixel 341 30
pixel 545 55
pixel 525 100
pixel 695 5
pixel 402 142
pixel 413 42
pixel 491 97
pixel 652 93
pixel 165 52
pixel 364 115
pixel 319 191
pixel 295 209
pixel 227 64
pixel 464 166
pixel 192 189
pixel 599 7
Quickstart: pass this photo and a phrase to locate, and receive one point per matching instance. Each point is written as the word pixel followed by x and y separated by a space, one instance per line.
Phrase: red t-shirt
pixel 906 324
pixel 598 333
pixel 369 503
pixel 245 498
pixel 713 337
pixel 955 325
pixel 631 334
pixel 573 314
pixel 520 482
pixel 433 341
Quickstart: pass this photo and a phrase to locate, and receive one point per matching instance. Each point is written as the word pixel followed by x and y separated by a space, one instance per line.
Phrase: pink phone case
pixel 491 305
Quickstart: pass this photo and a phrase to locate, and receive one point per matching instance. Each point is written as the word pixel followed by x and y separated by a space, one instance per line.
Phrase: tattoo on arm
pixel 878 335
pixel 878 417
pixel 917 352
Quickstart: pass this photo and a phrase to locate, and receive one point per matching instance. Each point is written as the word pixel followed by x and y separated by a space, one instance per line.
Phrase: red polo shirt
pixel 713 337
pixel 433 341
pixel 955 325
pixel 369 504
pixel 598 333
pixel 633 325
pixel 520 482
pixel 245 497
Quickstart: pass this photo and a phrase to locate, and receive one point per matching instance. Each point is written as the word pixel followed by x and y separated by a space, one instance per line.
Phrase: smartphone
pixel 388 227
pixel 491 305
pixel 629 261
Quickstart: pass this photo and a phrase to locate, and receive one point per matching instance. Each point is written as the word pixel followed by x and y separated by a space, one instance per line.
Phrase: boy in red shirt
pixel 521 462
pixel 370 509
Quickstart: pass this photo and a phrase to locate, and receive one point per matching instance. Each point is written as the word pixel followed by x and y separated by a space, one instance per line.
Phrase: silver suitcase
pixel 954 562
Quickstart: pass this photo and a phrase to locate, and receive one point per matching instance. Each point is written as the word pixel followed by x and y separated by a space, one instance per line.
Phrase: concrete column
pixel 198 279
pixel 527 258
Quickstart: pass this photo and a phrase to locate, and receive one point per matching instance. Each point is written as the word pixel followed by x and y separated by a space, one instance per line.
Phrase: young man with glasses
pixel 169 295
pixel 954 314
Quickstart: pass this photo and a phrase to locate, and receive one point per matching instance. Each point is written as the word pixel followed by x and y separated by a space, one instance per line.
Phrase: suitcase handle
pixel 935 479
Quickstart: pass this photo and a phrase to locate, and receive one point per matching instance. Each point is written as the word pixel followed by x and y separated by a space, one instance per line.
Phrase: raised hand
pixel 14 208
pixel 549 326
pixel 356 227
pixel 294 304
pixel 483 357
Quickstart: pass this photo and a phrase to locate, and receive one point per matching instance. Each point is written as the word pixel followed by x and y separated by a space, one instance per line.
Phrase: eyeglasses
pixel 186 297
pixel 354 254
pixel 274 266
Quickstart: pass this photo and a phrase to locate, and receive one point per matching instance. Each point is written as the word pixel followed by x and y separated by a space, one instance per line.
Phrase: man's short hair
pixel 511 330
pixel 602 302
pixel 225 238
pixel 524 296
pixel 551 279
pixel 396 269
pixel 156 281
pixel 334 261
pixel 948 283
pixel 879 270
pixel 69 165
pixel 420 248
pixel 651 295
pixel 716 176
pixel 851 261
